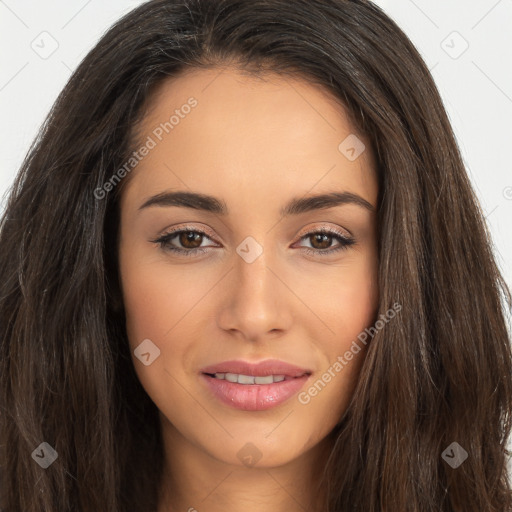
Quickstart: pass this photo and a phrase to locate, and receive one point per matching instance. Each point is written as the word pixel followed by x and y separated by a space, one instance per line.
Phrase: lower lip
pixel 254 397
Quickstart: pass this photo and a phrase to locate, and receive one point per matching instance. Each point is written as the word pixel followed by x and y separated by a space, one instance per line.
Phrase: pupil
pixel 322 239
pixel 190 236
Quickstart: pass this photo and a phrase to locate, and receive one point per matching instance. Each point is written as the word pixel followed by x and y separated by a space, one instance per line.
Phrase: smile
pixel 249 379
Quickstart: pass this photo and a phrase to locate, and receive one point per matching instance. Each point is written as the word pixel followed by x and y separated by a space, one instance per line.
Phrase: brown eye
pixel 321 240
pixel 187 242
pixel 190 239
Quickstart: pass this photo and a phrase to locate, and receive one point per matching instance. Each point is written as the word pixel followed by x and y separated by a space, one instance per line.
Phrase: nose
pixel 256 301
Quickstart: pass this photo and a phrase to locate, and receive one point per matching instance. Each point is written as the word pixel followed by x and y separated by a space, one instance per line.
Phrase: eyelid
pixel 187 227
pixel 343 232
pixel 344 241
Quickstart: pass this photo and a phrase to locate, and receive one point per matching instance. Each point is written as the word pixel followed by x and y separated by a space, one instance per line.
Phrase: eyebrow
pixel 295 206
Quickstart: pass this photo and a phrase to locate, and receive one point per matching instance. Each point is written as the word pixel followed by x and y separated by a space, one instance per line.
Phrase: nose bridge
pixel 254 306
pixel 251 272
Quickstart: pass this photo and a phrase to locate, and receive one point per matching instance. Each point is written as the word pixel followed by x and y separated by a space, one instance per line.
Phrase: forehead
pixel 220 130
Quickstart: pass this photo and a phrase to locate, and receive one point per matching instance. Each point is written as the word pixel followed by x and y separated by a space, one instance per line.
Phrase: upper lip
pixel 261 369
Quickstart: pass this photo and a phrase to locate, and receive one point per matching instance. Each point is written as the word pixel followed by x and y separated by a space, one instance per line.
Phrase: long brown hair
pixel 439 375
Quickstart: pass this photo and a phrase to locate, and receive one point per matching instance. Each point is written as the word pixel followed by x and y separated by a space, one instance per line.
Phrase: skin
pixel 254 144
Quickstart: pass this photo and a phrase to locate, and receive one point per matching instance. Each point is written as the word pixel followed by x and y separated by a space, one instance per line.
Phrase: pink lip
pixel 255 397
pixel 262 369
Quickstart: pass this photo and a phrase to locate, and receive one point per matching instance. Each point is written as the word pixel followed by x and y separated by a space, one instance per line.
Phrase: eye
pixel 189 238
pixel 321 241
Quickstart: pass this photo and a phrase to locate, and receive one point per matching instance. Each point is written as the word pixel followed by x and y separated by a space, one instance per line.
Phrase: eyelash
pixel 345 242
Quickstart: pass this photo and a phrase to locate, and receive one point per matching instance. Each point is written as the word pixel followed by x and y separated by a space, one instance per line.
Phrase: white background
pixel 476 86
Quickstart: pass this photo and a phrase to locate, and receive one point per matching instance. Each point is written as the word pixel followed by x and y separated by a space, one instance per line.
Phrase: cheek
pixel 156 299
pixel 145 300
pixel 156 303
pixel 358 303
pixel 349 310
pixel 352 303
pixel 167 307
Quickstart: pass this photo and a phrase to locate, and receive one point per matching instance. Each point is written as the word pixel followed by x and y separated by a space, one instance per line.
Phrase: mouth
pixel 254 387
pixel 239 378
pixel 246 370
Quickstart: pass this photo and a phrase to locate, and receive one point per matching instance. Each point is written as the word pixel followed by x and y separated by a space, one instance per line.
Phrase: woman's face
pixel 253 280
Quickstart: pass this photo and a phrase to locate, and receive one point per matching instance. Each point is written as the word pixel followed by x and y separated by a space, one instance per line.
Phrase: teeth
pixel 245 379
pixel 269 379
pixel 249 379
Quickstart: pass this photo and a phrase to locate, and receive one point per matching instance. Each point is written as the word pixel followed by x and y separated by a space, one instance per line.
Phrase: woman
pixel 243 267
